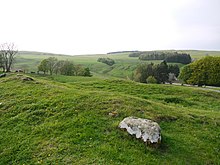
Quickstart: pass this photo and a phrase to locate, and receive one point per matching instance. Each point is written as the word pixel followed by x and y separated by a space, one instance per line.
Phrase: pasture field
pixel 65 120
pixel 123 68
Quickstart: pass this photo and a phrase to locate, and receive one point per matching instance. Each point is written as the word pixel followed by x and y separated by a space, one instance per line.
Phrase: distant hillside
pixel 118 52
pixel 193 53
pixel 38 53
pixel 123 68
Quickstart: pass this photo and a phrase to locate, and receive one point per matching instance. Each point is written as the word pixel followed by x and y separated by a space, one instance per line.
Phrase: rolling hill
pixel 122 69
pixel 65 120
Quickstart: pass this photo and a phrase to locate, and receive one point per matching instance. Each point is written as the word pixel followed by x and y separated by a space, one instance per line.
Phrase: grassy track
pixel 64 120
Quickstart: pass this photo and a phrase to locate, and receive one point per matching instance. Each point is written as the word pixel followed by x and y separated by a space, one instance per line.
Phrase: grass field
pixel 123 68
pixel 65 120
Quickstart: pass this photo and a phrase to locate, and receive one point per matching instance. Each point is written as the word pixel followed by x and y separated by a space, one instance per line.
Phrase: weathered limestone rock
pixel 145 129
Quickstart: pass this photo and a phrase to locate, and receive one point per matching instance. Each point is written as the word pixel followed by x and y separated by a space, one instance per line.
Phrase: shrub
pixel 107 61
pixel 151 80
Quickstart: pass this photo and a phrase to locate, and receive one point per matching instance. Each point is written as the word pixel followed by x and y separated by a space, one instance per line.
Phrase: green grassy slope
pixel 197 53
pixel 123 68
pixel 65 120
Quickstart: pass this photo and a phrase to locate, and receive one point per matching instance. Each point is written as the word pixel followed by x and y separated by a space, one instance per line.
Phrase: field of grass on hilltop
pixel 65 120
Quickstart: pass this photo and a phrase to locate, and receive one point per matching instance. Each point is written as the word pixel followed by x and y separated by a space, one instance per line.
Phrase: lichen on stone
pixel 148 130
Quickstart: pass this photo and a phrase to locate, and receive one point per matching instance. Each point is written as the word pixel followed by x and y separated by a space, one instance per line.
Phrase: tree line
pixel 64 67
pixel 107 61
pixel 166 56
pixel 135 54
pixel 205 71
pixel 118 52
pixel 151 73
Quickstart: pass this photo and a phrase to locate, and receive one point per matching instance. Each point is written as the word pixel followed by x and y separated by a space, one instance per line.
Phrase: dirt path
pixel 207 88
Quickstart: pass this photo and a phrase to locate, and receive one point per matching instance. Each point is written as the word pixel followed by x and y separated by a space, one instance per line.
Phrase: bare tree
pixel 7 56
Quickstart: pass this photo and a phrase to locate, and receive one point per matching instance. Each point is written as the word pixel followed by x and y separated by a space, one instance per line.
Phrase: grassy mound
pixel 65 120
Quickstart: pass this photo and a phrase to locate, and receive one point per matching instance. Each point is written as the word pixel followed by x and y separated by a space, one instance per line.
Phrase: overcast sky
pixel 101 26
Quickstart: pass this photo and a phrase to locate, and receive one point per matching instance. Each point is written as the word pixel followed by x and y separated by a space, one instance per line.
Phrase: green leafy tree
pixel 59 65
pixel 174 69
pixel 51 64
pixel 137 76
pixel 205 71
pixel 186 73
pixel 67 68
pixel 48 65
pixel 141 73
pixel 161 72
pixel 43 67
pixel 87 72
pixel 107 61
pixel 78 70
